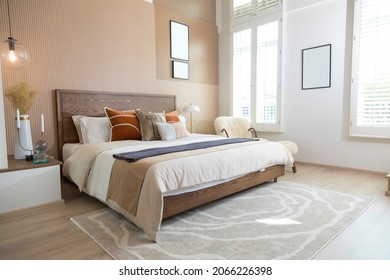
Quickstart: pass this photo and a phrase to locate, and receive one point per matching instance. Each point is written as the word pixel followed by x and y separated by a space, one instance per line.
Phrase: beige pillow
pixel 180 129
pixel 148 124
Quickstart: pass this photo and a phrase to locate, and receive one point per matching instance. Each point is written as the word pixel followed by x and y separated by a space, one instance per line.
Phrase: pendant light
pixel 13 54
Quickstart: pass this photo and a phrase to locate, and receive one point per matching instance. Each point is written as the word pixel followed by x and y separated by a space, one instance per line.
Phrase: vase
pixel 23 141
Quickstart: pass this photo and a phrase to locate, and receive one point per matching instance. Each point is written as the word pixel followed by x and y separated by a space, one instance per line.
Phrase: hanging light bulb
pixel 13 54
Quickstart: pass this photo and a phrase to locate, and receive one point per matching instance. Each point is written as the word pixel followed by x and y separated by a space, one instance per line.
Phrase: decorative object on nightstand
pixel 13 54
pixel 190 109
pixel 22 99
pixel 40 146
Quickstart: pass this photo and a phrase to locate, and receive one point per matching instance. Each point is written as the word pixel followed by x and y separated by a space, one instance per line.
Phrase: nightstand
pixel 388 185
pixel 25 184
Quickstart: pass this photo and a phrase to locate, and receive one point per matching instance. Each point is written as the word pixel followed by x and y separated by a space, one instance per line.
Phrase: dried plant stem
pixel 21 97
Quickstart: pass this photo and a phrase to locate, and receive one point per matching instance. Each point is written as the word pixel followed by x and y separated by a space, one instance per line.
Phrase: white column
pixel 3 137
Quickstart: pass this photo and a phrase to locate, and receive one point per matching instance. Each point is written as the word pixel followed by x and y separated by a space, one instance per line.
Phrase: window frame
pixel 252 21
pixel 355 130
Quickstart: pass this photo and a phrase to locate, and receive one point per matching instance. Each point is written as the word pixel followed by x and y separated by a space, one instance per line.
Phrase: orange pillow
pixel 172 117
pixel 124 125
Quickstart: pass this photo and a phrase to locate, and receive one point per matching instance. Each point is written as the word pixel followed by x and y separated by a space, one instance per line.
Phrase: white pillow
pixel 95 129
pixel 172 131
pixel 77 124
pixel 183 120
pixel 167 131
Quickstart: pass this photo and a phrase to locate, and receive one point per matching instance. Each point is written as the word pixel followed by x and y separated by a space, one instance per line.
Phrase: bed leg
pixel 275 179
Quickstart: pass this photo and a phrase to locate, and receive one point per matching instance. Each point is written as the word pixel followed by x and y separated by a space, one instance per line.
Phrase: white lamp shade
pixel 191 108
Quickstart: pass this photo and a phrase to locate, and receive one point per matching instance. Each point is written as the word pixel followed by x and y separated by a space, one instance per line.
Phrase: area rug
pixel 273 221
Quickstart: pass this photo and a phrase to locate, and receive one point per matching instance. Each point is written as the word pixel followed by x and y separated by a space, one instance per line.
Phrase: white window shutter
pixel 241 8
pixel 370 111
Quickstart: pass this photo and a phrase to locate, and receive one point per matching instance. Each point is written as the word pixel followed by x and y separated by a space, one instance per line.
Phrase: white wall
pixel 318 120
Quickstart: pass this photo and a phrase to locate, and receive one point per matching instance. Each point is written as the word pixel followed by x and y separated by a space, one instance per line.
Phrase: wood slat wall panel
pixel 100 46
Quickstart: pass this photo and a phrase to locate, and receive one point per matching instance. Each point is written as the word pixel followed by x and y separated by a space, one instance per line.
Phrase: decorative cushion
pixel 147 121
pixel 124 125
pixel 180 129
pixel 94 129
pixel 167 131
pixel 172 131
pixel 172 117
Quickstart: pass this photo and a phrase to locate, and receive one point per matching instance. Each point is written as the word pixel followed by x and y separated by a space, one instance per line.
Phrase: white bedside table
pixel 25 184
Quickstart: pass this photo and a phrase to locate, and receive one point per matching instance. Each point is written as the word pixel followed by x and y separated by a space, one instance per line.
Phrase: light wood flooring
pixel 47 233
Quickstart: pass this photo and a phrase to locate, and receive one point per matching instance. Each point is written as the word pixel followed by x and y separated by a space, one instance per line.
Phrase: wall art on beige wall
pixel 180 70
pixel 179 40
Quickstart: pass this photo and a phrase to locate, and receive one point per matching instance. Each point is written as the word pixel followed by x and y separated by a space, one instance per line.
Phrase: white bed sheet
pixel 69 148
pixel 91 171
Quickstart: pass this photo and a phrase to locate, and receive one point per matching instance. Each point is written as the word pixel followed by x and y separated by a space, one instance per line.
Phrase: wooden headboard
pixel 92 103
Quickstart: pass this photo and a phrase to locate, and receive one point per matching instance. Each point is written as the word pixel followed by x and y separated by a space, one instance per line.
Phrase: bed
pixel 169 192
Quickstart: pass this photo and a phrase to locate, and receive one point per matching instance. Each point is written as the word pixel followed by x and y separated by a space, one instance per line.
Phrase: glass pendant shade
pixel 13 54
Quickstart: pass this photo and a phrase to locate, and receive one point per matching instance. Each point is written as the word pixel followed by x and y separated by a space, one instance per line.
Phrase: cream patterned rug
pixel 274 221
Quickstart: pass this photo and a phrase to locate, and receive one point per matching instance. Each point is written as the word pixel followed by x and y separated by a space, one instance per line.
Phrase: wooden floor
pixel 47 233
pixel 368 236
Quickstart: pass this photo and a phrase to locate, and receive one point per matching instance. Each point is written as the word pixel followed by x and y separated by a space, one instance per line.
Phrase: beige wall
pixel 200 9
pixel 203 53
pixel 105 45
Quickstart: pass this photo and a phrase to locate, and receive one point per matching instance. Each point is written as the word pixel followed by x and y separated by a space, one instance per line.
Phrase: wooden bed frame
pixel 92 103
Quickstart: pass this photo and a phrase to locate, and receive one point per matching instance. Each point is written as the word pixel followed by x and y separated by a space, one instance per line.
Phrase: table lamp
pixel 191 108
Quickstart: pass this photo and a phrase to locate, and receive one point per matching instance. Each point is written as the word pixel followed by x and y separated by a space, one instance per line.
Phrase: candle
pixel 17 118
pixel 42 123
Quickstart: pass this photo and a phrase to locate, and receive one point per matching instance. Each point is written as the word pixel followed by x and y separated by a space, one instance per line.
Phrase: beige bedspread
pixel 90 168
pixel 127 177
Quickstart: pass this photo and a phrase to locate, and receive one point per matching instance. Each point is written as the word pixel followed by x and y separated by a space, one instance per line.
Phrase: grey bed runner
pixel 137 155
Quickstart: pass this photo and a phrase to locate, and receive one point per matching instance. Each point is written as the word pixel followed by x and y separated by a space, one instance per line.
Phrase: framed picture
pixel 180 70
pixel 179 40
pixel 316 67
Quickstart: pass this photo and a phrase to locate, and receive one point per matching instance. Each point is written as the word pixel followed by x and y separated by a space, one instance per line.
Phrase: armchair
pixel 240 127
pixel 234 127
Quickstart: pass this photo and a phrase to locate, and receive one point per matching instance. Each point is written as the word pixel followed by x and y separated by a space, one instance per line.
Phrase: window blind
pixel 371 69
pixel 267 73
pixel 255 66
pixel 264 4
pixel 248 7
pixel 242 41
pixel 241 8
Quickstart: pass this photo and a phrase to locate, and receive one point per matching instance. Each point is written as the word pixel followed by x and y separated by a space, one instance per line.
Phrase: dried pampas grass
pixel 21 97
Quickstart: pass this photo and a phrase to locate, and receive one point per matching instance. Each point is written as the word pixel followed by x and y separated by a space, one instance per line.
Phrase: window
pixel 256 48
pixel 242 60
pixel 249 7
pixel 370 100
